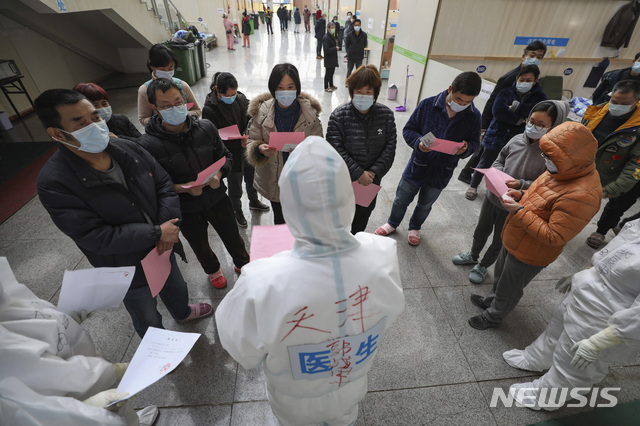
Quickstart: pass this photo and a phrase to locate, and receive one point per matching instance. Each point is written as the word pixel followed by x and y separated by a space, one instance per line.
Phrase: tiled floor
pixel 432 367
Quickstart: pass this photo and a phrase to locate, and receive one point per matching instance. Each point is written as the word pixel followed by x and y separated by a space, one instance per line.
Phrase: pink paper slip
pixel 441 145
pixel 207 174
pixel 189 105
pixel 496 181
pixel 156 269
pixel 231 132
pixel 365 194
pixel 267 240
pixel 285 141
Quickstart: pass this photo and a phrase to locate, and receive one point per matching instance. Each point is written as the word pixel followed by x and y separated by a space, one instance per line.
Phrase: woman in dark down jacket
pixel 224 107
pixel 364 134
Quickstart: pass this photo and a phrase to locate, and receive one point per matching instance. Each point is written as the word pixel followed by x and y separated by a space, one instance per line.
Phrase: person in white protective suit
pixel 597 324
pixel 50 372
pixel 316 314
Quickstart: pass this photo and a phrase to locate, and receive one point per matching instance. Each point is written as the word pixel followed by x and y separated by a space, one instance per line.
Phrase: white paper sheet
pixel 159 353
pixel 95 288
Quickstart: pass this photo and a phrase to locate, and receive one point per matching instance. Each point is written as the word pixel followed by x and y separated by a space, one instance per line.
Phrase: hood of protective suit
pixel 572 148
pixel 317 199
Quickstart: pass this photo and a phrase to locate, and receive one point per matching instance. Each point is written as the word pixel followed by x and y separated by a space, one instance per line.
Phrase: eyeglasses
pixel 535 126
pixel 166 107
pixel 545 156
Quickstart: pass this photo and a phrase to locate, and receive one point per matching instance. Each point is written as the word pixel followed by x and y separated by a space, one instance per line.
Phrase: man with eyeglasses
pixel 185 146
pixel 616 126
pixel 114 201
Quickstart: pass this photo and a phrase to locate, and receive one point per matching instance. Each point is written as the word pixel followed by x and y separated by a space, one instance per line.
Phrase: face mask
pixel 164 74
pixel 174 116
pixel 356 28
pixel 286 97
pixel 524 87
pixel 636 67
pixel 332 31
pixel 531 61
pixel 228 99
pixel 618 110
pixel 550 166
pixel 105 113
pixel 94 138
pixel 533 133
pixel 457 107
pixel 362 102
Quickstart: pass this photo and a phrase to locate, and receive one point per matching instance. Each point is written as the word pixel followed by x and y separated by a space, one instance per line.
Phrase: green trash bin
pixel 261 13
pixel 251 22
pixel 196 61
pixel 185 70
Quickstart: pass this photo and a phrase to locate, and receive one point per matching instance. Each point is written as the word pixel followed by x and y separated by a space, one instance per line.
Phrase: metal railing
pixel 167 13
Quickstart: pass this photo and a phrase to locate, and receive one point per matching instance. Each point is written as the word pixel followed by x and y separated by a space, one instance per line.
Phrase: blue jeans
pixel 405 194
pixel 143 308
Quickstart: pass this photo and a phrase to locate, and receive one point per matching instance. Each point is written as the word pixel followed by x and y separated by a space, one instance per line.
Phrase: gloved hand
pixel 80 317
pixel 514 106
pixel 105 397
pixel 564 284
pixel 121 368
pixel 588 350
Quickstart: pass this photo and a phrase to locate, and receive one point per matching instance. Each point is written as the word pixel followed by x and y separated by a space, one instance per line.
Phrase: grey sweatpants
pixel 511 277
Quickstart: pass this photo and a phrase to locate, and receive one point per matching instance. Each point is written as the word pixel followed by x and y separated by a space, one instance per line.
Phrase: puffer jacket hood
pixel 572 148
pixel 317 199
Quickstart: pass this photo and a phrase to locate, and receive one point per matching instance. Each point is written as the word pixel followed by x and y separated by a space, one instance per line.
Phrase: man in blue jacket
pixel 602 94
pixel 114 201
pixel 449 115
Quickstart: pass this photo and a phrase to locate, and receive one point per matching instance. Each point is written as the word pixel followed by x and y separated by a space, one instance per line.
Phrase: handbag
pixel 229 31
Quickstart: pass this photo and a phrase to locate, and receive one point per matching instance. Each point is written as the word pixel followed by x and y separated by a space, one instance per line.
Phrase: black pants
pixel 269 28
pixel 328 77
pixel 221 217
pixel 485 161
pixel 319 47
pixel 361 218
pixel 353 63
pixel 616 207
pixel 278 217
pixel 466 173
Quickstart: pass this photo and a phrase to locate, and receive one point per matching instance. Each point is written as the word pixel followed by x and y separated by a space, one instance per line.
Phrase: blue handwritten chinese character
pixel 367 348
pixel 61 6
pixel 315 362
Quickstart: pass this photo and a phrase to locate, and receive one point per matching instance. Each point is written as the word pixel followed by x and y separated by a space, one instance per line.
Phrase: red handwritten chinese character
pixel 360 297
pixel 299 320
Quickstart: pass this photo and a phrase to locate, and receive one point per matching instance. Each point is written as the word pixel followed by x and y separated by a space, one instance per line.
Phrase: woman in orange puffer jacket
pixel 543 219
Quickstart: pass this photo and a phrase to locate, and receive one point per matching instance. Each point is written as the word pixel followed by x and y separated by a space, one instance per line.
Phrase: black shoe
pixel 480 323
pixel 257 205
pixel 463 177
pixel 242 222
pixel 478 300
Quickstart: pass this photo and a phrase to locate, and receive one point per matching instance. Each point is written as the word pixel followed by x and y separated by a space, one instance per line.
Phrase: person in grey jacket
pixel 522 159
pixel 363 132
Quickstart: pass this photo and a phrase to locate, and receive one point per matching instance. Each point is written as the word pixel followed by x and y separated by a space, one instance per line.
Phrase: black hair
pixel 223 81
pixel 468 83
pixel 536 45
pixel 635 59
pixel 626 86
pixel 548 107
pixel 356 20
pixel 278 72
pixel 349 12
pixel 160 56
pixel 46 104
pixel 161 84
pixel 529 69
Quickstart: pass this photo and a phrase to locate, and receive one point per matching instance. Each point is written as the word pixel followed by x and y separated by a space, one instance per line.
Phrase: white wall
pixel 374 15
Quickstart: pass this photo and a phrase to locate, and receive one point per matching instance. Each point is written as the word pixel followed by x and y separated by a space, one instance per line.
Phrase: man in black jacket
pixel 355 43
pixel 185 146
pixel 602 93
pixel 321 29
pixel 533 54
pixel 114 201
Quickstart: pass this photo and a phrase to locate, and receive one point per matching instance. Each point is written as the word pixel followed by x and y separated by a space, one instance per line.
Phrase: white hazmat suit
pixel 606 295
pixel 316 314
pixel 47 362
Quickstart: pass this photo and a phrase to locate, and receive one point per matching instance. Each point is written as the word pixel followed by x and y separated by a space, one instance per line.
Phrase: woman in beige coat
pixel 284 109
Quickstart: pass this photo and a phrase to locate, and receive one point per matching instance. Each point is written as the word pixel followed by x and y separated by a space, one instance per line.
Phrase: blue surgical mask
pixel 228 99
pixel 636 67
pixel 531 61
pixel 93 138
pixel 356 28
pixel 524 87
pixel 362 102
pixel 105 113
pixel 618 110
pixel 286 97
pixel 174 116
pixel 332 31
pixel 164 74
pixel 533 133
pixel 455 107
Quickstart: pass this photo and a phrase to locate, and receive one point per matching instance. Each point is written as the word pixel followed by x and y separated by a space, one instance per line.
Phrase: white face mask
pixel 362 102
pixel 93 138
pixel 618 110
pixel 636 67
pixel 164 74
pixel 286 97
pixel 105 113
pixel 531 61
pixel 356 28
pixel 457 107
pixel 524 87
pixel 533 133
